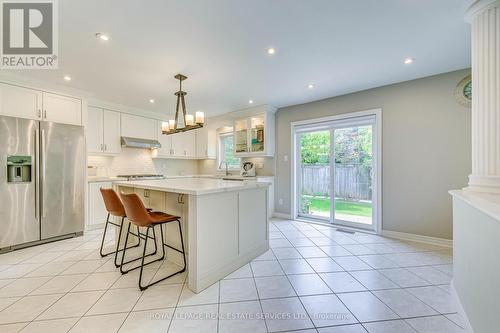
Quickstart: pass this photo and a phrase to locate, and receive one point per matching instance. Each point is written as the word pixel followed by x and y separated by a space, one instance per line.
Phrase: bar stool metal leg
pixel 141 236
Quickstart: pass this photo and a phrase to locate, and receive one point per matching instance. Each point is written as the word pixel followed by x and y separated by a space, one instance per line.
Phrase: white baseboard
pixel 461 311
pixel 282 216
pixel 418 238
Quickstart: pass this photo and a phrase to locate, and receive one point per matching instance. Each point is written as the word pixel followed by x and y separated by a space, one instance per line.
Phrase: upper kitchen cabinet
pixel 206 143
pixel 20 102
pixel 184 144
pixel 103 131
pixel 254 132
pixel 62 109
pixel 138 127
pixel 165 150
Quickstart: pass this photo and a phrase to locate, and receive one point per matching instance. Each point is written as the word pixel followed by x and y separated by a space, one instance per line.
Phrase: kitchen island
pixel 224 222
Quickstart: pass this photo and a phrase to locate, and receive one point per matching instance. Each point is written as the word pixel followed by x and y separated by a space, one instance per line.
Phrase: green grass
pixel 318 204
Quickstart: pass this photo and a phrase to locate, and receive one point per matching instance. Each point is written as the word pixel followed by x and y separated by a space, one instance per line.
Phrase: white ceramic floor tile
pixel 17 271
pixel 404 304
pixel 268 255
pixel 342 282
pixel 242 272
pixel 199 319
pixel 311 252
pixel 116 300
pixel 356 328
pixel 27 308
pixel 403 277
pixel 51 269
pixel 373 280
pixel 72 305
pixel 358 249
pixel 98 281
pixel 324 265
pixel 285 314
pixel 274 287
pixel 208 296
pixel 83 267
pixel 151 321
pixel 131 279
pixel 99 324
pixel 335 251
pixel 52 326
pixel 301 242
pixel 241 317
pixel 22 286
pixel 391 326
pixel 237 290
pixel 327 310
pixel 437 324
pixel 308 284
pixel 266 268
pixel 351 263
pixel 436 298
pixel 431 274
pixel 5 302
pixel 286 253
pixel 279 242
pixel 322 241
pixel 378 261
pixel 12 328
pixel 296 266
pixel 59 284
pixel 367 307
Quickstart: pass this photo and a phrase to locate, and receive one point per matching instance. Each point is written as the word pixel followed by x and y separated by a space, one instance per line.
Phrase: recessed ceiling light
pixel 310 86
pixel 67 78
pixel 152 101
pixel 250 101
pixel 408 61
pixel 102 36
pixel 271 51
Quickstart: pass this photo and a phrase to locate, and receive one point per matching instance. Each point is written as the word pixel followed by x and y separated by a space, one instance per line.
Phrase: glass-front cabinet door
pixel 241 136
pixel 257 134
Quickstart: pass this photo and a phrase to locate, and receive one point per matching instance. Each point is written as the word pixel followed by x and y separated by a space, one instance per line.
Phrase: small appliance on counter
pixel 248 169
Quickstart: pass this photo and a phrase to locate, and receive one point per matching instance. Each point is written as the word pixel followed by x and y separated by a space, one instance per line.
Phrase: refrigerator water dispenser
pixel 19 169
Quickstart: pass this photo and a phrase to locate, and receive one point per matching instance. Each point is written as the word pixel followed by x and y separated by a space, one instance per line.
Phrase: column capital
pixel 478 7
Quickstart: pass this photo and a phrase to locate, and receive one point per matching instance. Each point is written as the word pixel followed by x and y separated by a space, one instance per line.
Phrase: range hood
pixel 139 143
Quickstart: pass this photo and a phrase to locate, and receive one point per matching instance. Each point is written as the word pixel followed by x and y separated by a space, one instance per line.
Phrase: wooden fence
pixel 352 181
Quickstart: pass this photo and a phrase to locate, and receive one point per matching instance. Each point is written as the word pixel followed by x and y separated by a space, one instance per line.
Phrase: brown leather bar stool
pixel 115 208
pixel 138 215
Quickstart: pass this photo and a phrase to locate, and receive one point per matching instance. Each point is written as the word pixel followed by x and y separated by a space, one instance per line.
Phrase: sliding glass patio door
pixel 335 172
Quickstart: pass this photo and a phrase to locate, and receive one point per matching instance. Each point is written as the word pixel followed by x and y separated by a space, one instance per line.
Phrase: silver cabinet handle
pixel 38 113
pixel 44 114
pixel 105 147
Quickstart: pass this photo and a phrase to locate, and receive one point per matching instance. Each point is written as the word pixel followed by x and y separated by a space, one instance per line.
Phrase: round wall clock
pixel 463 92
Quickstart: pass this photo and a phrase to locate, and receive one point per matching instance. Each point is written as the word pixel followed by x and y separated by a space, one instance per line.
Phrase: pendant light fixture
pixel 187 122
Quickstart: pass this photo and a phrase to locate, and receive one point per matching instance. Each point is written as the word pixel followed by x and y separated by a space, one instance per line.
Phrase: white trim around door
pixel 336 122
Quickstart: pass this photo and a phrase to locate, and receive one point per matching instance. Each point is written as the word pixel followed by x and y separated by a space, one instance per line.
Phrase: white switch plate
pixel 259 165
pixel 280 201
pixel 285 158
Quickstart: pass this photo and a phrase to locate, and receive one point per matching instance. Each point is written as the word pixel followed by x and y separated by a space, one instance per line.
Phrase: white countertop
pixel 97 179
pixel 193 185
pixel 487 203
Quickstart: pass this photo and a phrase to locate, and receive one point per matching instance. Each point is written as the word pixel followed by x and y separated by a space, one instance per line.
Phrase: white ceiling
pixel 341 46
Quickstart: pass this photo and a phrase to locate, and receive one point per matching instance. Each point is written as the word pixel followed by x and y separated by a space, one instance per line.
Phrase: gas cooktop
pixel 142 176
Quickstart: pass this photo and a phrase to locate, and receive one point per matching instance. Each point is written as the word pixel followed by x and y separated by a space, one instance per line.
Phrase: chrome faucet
pixel 220 167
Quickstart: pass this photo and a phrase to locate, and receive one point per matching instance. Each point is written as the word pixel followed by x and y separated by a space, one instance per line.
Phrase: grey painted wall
pixel 426 149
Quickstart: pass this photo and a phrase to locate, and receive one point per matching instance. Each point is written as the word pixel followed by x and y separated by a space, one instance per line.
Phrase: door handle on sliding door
pixel 42 178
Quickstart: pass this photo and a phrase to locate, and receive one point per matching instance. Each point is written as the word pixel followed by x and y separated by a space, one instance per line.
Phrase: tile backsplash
pixel 139 161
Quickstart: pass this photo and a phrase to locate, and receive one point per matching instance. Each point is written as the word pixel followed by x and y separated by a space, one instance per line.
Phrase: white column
pixel 484 17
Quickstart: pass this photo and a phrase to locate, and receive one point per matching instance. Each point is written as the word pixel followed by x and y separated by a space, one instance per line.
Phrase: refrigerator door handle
pixel 42 176
pixel 37 174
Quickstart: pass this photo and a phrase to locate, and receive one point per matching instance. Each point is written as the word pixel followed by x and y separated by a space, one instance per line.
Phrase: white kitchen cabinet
pixel 97 212
pixel 103 131
pixel 206 143
pixel 165 141
pixel 62 109
pixel 270 180
pixel 184 144
pixel 254 133
pixel 138 127
pixel 20 102
pixel 95 130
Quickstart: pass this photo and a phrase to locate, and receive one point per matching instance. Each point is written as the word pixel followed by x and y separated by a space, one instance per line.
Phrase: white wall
pixel 425 149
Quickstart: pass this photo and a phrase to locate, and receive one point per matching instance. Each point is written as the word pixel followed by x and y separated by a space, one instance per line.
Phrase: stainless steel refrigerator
pixel 42 178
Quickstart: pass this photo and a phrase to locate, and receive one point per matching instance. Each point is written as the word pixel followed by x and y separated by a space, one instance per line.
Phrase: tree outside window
pixel 226 152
